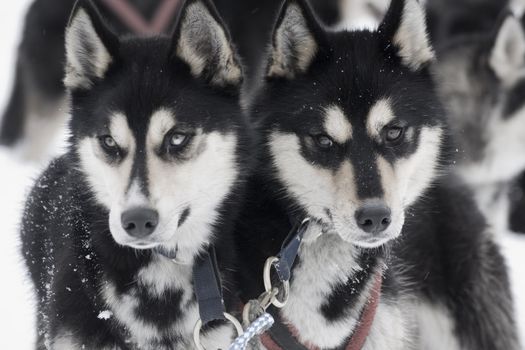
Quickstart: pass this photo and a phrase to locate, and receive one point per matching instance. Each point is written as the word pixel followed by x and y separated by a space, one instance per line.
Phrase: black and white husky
pixel 154 169
pixel 482 82
pixel 353 135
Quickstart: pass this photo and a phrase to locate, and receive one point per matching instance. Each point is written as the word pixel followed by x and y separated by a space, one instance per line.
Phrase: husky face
pixel 483 85
pixel 352 124
pixel 156 126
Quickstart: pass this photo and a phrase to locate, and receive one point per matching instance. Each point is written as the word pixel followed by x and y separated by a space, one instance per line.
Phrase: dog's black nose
pixel 373 218
pixel 140 222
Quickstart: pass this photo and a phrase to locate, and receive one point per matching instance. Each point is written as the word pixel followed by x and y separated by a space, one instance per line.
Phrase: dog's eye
pixel 323 141
pixel 175 142
pixel 108 143
pixel 178 140
pixel 394 133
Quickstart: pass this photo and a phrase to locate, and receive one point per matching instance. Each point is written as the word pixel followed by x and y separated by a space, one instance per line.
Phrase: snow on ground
pixel 16 303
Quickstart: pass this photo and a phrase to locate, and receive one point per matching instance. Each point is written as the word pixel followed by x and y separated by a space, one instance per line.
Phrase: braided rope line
pixel 257 327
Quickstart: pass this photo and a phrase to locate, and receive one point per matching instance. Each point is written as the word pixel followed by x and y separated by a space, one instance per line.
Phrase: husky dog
pixel 154 169
pixel 482 82
pixel 353 135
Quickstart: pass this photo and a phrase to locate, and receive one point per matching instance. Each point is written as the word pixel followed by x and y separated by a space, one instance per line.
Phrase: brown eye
pixel 323 141
pixel 394 133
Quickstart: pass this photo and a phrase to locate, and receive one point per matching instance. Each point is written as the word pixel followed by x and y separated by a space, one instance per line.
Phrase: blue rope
pixel 257 327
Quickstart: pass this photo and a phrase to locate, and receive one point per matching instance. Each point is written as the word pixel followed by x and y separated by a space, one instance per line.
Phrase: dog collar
pixel 283 336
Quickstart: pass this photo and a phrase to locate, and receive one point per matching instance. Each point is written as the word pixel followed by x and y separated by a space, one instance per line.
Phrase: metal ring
pixel 198 327
pixel 270 262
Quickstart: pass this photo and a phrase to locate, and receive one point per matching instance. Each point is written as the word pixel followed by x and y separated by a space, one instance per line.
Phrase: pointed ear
pixel 405 27
pixel 202 41
pixel 296 40
pixel 90 47
pixel 507 55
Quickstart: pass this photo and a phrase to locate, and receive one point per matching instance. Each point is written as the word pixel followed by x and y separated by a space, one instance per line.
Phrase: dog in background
pixel 481 75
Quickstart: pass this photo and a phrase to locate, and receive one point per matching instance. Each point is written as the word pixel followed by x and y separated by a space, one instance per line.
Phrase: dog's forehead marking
pixel 337 125
pixel 120 130
pixel 162 121
pixel 380 115
pixel 135 195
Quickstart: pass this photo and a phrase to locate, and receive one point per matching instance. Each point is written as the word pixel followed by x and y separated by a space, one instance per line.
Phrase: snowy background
pixel 16 301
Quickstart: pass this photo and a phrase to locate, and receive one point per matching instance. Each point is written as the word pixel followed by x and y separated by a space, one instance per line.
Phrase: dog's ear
pixel 507 55
pixel 404 26
pixel 296 40
pixel 202 41
pixel 90 47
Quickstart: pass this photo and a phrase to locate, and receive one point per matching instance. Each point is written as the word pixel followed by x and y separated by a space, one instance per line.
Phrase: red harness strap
pixel 360 334
pixel 136 22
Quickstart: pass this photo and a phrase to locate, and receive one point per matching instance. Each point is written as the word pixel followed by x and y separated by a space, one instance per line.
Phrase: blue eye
pixel 177 141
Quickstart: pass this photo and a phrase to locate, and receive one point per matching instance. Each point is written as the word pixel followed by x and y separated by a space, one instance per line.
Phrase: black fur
pixel 448 256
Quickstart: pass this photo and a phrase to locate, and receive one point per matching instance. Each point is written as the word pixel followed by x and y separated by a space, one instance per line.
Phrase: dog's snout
pixel 140 222
pixel 373 218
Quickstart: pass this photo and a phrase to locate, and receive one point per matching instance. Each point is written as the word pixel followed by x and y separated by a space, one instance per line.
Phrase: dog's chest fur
pixel 159 307
pixel 331 285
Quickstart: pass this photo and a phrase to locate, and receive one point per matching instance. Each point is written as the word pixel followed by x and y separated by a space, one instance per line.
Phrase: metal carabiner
pixel 198 327
pixel 283 290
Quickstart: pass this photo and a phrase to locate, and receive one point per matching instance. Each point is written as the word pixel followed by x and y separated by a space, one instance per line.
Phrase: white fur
pixel 380 115
pixel 314 187
pixel 393 328
pixel 416 173
pixel 337 125
pixel 200 30
pixel 504 156
pixel 314 279
pixel 436 328
pixel 81 35
pixel 201 184
pixel 109 183
pixel 508 55
pixel 412 38
pixel 294 46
